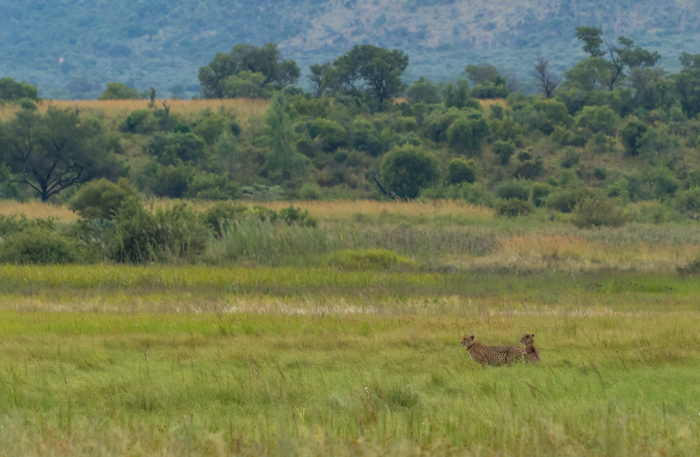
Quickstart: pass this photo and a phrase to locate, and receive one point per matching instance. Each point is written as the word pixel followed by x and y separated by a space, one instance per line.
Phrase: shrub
pixel 170 147
pixel 513 189
pixel 631 137
pixel 332 134
pixel 366 138
pixel 540 191
pixel 598 119
pixel 597 211
pixel 369 259
pixel 408 169
pixel 529 168
pixel 140 121
pixel 571 158
pixel 210 186
pixel 172 181
pixel 461 170
pixel 514 207
pixel 119 91
pixel 101 199
pixel 40 245
pixel 296 216
pixel 504 150
pixel 141 236
pixel 466 136
pixel 688 201
pixel 565 200
pixel 310 191
pixel 423 91
pixel 222 215
pixel 405 124
pixel 691 268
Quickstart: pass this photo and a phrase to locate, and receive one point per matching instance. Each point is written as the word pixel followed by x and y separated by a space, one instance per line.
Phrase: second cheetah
pixel 532 354
pixel 491 355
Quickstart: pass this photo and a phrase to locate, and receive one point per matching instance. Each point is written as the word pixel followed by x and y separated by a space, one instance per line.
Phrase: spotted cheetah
pixel 532 354
pixel 491 355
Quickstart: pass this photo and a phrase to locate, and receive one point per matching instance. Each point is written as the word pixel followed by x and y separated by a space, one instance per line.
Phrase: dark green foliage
pixel 571 158
pixel 467 135
pixel 221 215
pixel 513 190
pixel 169 148
pixel 13 91
pixel 565 200
pixel 332 134
pixel 598 119
pixel 504 150
pixel 688 202
pixel 514 207
pixel 141 236
pixel 491 89
pixel 423 91
pixel 140 121
pixel 40 245
pixel 212 186
pixel 458 95
pixel 366 138
pixel 53 151
pixel 407 169
pixel 172 180
pixel 460 171
pixel 596 212
pixel 540 191
pixel 119 91
pixel 296 216
pixel 247 71
pixel 102 198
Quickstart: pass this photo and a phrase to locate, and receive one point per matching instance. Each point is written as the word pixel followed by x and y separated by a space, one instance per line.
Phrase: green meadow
pixel 122 360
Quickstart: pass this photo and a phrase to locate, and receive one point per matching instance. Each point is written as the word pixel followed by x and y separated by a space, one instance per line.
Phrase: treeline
pixel 614 127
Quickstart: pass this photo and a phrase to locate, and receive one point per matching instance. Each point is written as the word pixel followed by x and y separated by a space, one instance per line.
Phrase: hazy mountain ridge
pixel 70 48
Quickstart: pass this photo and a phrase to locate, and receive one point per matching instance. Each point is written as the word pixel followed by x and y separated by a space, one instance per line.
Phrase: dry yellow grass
pixel 38 210
pixel 493 101
pixel 245 108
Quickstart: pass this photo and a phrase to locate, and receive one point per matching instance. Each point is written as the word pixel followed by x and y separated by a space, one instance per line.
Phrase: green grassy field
pixel 104 360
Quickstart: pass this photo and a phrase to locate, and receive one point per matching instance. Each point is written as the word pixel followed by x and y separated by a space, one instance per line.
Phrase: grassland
pixel 230 361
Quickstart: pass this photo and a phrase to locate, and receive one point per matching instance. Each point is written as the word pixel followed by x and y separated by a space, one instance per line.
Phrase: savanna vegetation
pixel 273 271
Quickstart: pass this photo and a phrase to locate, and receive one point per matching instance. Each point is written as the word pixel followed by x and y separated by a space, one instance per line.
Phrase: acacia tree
pixel 368 70
pixel 266 61
pixel 57 150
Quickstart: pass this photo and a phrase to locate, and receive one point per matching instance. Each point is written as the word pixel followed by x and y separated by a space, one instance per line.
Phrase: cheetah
pixel 491 355
pixel 532 354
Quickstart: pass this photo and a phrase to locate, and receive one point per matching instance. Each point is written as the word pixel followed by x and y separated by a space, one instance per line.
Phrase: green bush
pixel 504 150
pixel 565 200
pixel 691 268
pixel 632 135
pixel 369 259
pixel 596 212
pixel 405 124
pixel 310 191
pixel 513 189
pixel 119 91
pixel 221 215
pixel 172 180
pixel 170 147
pixel 101 199
pixel 332 134
pixel 366 138
pixel 598 119
pixel 514 207
pixel 140 121
pixel 460 171
pixel 40 245
pixel 467 135
pixel 540 191
pixel 407 170
pixel 170 234
pixel 688 202
pixel 296 216
pixel 210 186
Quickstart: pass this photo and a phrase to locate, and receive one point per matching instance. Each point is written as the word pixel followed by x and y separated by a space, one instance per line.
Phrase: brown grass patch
pixel 37 210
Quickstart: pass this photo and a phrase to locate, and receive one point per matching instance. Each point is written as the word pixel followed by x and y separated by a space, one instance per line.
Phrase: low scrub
pixel 598 212
pixel 41 245
pixel 370 259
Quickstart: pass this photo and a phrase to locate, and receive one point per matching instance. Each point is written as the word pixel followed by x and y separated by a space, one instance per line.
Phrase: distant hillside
pixel 70 48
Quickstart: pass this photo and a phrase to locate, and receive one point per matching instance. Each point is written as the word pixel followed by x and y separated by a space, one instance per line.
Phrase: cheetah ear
pixel 533 335
pixel 472 338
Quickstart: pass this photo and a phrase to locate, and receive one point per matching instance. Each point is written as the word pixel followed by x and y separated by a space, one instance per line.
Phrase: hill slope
pixel 70 48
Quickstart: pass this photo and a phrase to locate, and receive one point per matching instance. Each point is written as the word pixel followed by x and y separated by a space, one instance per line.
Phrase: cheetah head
pixel 467 340
pixel 527 339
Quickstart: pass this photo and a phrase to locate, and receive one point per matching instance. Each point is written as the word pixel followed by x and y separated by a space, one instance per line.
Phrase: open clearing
pixel 104 360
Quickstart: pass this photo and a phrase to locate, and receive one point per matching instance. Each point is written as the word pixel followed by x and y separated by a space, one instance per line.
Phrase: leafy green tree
pixel 332 134
pixel 467 135
pixel 592 39
pixel 171 147
pixel 119 91
pixel 408 169
pixel 423 91
pixel 687 84
pixel 461 170
pixel 54 151
pixel 632 135
pixel 246 84
pixel 12 90
pixel 101 199
pixel 598 119
pixel 265 60
pixel 281 140
pixel 504 150
pixel 481 74
pixel 370 70
pixel 319 79
pixel 458 95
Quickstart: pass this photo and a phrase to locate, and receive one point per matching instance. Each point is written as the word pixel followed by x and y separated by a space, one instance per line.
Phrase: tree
pixel 423 91
pixel 687 84
pixel 369 70
pixel 548 82
pixel 408 169
pixel 319 79
pixel 101 199
pixel 461 170
pixel 281 140
pixel 467 135
pixel 481 74
pixel 591 37
pixel 265 60
pixel 12 90
pixel 119 91
pixel 57 150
